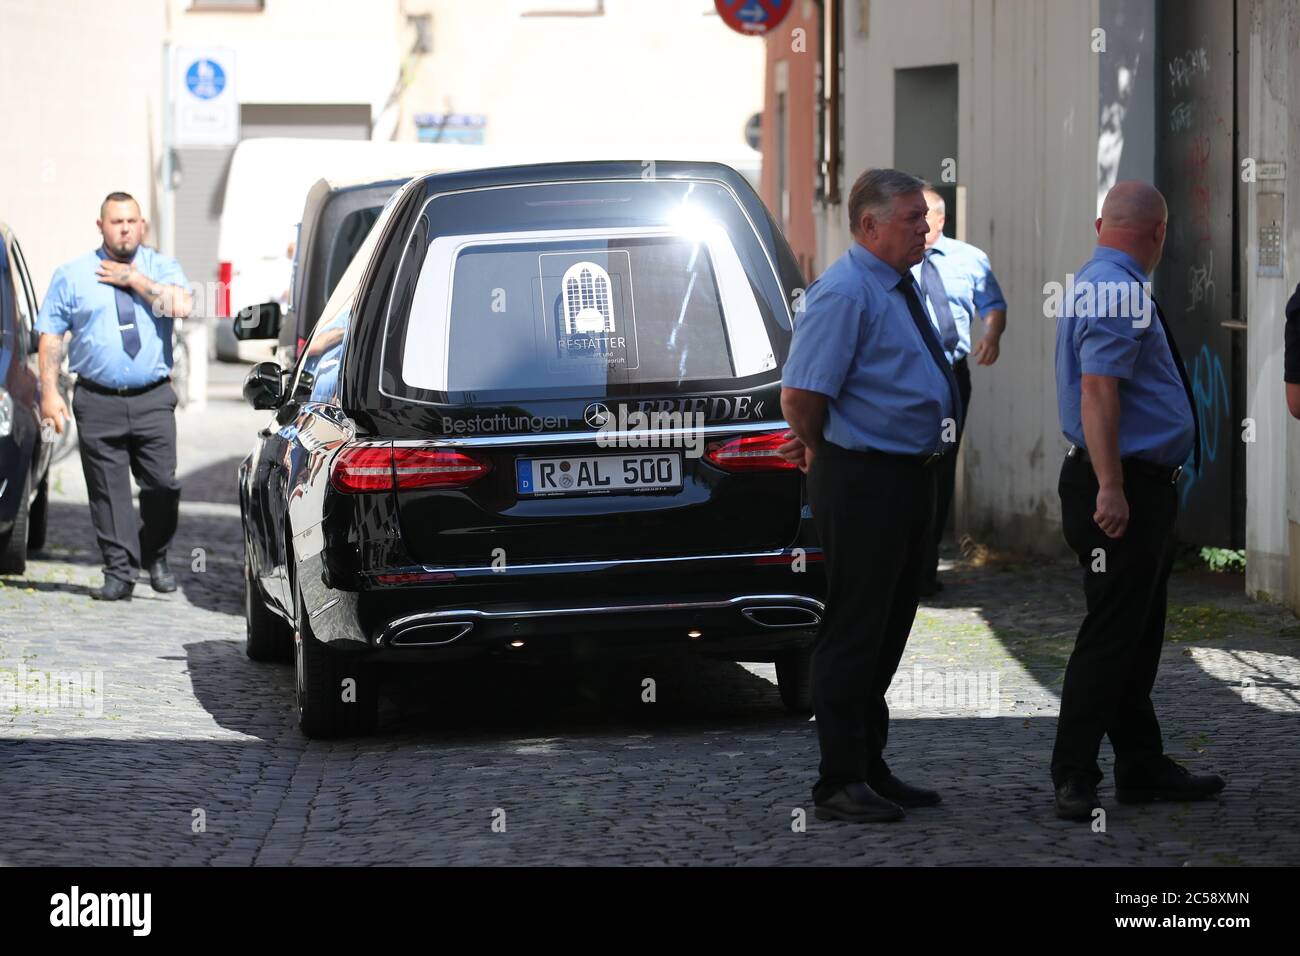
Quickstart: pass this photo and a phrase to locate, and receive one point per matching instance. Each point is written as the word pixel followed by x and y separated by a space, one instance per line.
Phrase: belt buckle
pixel 934 456
pixel 1177 472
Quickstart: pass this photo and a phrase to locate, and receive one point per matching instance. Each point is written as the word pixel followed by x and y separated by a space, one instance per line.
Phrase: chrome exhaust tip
pixel 782 615
pixel 427 634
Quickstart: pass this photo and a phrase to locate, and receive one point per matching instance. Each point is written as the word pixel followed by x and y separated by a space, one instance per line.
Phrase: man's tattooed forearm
pixel 51 358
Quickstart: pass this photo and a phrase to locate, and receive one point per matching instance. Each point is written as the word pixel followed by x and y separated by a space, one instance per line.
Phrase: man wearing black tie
pixel 874 409
pixel 1126 407
pixel 119 302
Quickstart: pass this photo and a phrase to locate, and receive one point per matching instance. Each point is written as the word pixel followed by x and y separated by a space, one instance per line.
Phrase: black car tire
pixel 266 636
pixel 37 517
pixel 319 673
pixel 13 550
pixel 794 680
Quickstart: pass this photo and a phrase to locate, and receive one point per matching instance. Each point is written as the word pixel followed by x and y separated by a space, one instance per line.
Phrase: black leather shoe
pixel 114 589
pixel 161 578
pixel 857 803
pixel 904 794
pixel 1076 799
pixel 1164 779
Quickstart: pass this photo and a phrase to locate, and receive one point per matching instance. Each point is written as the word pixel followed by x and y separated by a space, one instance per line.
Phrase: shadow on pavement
pixel 1227 693
pixel 216 539
pixel 18 582
pixel 207 557
pixel 69 537
pixel 217 482
pixel 487 699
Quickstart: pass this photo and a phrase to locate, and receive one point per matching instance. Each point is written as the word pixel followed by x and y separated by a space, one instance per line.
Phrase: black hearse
pixel 538 415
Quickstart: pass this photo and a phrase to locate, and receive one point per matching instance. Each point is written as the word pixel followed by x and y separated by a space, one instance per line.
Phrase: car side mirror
pixel 264 385
pixel 260 321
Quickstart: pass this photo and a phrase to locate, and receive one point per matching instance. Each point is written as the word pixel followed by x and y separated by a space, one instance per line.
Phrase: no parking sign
pixel 753 17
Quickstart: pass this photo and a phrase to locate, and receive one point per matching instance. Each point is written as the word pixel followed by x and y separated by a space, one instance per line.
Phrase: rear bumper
pixel 754 623
pixel 749 613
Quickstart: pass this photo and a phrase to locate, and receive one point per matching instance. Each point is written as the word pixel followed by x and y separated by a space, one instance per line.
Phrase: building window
pixel 586 299
pixel 561 8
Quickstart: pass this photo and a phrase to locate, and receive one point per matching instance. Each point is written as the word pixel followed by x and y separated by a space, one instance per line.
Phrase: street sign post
pixel 205 103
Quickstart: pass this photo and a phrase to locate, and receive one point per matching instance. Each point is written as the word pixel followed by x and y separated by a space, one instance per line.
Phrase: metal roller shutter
pixel 202 189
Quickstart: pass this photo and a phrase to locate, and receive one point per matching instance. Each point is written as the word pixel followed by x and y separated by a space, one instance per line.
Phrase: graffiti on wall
pixel 1210 396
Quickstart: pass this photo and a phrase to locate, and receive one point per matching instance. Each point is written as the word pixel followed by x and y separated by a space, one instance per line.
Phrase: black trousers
pixel 122 436
pixel 946 479
pixel 1108 681
pixel 872 514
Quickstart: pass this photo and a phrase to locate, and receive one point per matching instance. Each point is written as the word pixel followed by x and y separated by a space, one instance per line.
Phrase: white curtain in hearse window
pixel 576 309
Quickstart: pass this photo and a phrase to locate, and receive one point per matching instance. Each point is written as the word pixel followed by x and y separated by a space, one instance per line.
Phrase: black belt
pixel 122 392
pixel 1162 473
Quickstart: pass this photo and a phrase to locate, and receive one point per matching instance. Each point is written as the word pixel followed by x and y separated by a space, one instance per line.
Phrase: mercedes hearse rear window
pixel 581 289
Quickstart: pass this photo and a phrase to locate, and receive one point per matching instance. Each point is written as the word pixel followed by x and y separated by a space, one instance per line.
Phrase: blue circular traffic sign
pixel 205 79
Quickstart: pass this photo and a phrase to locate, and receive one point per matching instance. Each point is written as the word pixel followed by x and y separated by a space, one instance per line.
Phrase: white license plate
pixel 599 473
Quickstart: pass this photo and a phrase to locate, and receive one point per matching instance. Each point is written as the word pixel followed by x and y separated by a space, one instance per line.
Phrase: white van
pixel 266 188
pixel 269 181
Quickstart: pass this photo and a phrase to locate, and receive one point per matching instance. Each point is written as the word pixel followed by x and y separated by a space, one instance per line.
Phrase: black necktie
pixel 1187 385
pixel 932 283
pixel 931 340
pixel 126 321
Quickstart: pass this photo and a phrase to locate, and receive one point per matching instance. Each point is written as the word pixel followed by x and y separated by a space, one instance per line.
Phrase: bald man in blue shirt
pixel 118 302
pixel 874 408
pixel 1126 408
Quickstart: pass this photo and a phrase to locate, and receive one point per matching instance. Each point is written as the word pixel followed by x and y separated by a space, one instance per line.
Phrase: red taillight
pixel 384 467
pixel 225 272
pixel 363 468
pixel 750 453
pixel 436 468
pixel 297 352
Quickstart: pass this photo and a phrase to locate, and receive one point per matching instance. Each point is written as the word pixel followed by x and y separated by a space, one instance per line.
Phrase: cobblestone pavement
pixel 185 729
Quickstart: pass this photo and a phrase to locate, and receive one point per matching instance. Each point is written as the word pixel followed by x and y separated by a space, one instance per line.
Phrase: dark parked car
pixel 24 456
pixel 336 219
pixel 538 416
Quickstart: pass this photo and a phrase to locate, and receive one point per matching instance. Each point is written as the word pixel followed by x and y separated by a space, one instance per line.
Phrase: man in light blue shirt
pixel 1109 329
pixel 959 285
pixel 118 303
pixel 873 405
pixel 858 305
pixel 1126 407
